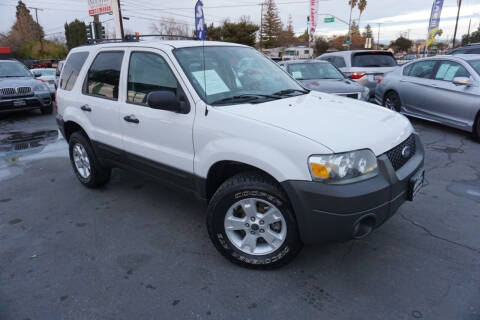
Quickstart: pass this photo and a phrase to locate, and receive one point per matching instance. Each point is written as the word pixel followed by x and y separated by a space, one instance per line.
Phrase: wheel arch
pixel 70 127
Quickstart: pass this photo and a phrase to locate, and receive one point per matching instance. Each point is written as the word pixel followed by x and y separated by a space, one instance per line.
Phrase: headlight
pixel 342 168
pixel 366 93
pixel 40 87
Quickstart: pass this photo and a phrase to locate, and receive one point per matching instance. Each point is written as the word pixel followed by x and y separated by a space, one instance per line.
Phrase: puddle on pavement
pixel 466 189
pixel 18 149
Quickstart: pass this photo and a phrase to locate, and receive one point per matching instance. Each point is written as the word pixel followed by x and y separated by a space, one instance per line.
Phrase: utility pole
pixel 261 27
pixel 117 18
pixel 468 34
pixel 456 24
pixel 36 16
pixel 378 38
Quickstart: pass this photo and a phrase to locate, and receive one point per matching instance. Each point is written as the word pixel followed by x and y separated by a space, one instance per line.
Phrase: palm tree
pixel 353 4
pixel 362 4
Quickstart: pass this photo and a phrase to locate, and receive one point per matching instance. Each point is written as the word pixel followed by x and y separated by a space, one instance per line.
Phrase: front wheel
pixel 47 110
pixel 251 222
pixel 393 102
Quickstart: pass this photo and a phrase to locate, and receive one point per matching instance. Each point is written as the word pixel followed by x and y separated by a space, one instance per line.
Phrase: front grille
pixel 8 91
pixel 395 155
pixel 21 146
pixel 355 95
pixel 24 90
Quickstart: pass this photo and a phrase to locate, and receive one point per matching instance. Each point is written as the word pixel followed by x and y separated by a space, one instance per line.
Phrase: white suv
pixel 279 166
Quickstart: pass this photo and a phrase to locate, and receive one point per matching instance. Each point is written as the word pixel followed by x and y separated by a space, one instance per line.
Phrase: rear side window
pixel 339 62
pixel 148 72
pixel 103 77
pixel 373 59
pixel 421 69
pixel 71 70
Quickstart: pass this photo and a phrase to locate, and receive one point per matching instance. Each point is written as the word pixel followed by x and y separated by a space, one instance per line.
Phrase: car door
pixel 156 141
pixel 450 103
pixel 99 100
pixel 414 85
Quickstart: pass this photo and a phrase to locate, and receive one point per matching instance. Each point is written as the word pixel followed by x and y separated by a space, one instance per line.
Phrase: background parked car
pixel 407 58
pixel 323 76
pixel 444 89
pixel 367 67
pixel 19 90
pixel 49 76
pixel 473 48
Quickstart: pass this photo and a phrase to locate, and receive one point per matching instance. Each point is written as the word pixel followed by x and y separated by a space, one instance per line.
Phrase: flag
pixel 313 18
pixel 200 28
pixel 434 24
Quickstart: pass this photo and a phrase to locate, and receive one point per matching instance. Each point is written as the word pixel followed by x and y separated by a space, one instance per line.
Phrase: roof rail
pixel 98 41
pixel 132 37
pixel 473 44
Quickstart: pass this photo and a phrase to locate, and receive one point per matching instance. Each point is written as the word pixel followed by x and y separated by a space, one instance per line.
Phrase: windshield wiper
pixel 289 91
pixel 246 97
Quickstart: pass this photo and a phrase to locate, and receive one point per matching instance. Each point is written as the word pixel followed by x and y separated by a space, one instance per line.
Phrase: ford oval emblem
pixel 406 152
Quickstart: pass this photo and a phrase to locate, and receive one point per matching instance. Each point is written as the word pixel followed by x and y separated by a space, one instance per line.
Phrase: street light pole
pixel 456 24
pixel 378 39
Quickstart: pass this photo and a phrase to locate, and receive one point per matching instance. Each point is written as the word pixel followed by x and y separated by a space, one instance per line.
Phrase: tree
pixel 354 29
pixel 362 5
pixel 474 37
pixel 353 4
pixel 75 33
pixel 243 32
pixel 171 27
pixel 287 37
pixel 321 45
pixel 24 29
pixel 402 44
pixel 272 25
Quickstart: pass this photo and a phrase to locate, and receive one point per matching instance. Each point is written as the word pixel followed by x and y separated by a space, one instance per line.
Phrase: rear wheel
pixel 251 223
pixel 86 166
pixel 393 102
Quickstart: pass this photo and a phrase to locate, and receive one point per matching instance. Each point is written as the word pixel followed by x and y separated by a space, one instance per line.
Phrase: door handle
pixel 86 108
pixel 131 118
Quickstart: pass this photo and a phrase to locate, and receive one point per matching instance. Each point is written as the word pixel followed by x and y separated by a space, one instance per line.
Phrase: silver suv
pixel 367 67
pixel 19 90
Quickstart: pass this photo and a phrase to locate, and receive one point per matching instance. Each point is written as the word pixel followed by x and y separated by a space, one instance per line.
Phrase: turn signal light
pixel 320 171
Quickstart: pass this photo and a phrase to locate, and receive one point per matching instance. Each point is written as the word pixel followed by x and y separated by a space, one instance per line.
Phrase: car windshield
pixel 13 69
pixel 314 71
pixel 224 75
pixel 373 59
pixel 475 65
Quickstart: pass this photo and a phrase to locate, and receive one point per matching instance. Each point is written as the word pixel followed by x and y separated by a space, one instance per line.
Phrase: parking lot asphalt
pixel 138 250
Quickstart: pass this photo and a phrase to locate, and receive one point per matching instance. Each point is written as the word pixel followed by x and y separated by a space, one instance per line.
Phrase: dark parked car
pixel 473 48
pixel 19 90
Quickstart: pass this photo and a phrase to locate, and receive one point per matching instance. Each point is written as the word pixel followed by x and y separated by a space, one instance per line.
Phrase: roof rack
pixel 132 37
pixel 98 41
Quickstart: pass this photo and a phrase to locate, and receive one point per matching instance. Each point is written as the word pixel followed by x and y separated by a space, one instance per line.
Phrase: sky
pixel 396 17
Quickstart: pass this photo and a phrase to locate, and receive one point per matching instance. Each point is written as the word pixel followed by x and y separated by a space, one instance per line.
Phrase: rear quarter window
pixel 71 70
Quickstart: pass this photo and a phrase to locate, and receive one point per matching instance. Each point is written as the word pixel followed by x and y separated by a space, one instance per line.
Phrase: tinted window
pixel 448 70
pixel 71 69
pixel 339 62
pixel 475 65
pixel 148 72
pixel 422 69
pixel 311 71
pixel 373 59
pixel 103 77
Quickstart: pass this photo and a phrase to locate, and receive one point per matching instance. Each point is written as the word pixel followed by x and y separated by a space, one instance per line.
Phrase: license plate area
pixel 415 185
pixel 19 103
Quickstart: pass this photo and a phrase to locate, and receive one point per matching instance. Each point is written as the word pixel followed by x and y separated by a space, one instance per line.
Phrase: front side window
pixel 422 69
pixel 103 77
pixel 314 71
pixel 13 69
pixel 71 69
pixel 148 72
pixel 449 70
pixel 233 75
pixel 475 65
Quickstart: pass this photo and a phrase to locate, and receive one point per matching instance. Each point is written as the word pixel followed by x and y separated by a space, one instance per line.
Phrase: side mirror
pixel 462 81
pixel 37 74
pixel 166 100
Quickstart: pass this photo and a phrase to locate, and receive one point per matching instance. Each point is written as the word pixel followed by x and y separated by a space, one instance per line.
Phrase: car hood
pixel 332 85
pixel 341 124
pixel 17 82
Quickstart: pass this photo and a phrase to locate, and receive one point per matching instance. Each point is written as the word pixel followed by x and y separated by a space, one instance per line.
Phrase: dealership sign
pixel 313 18
pixel 96 7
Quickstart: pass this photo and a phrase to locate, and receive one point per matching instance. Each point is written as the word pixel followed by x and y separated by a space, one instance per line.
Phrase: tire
pixel 230 206
pixel 476 129
pixel 86 166
pixel 392 101
pixel 47 110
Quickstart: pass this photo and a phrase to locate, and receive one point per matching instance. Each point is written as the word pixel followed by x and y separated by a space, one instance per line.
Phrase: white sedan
pixel 48 76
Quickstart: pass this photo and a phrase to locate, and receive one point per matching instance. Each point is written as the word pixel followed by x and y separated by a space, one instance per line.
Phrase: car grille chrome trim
pixel 15 91
pixel 395 155
pixel 24 90
pixel 8 91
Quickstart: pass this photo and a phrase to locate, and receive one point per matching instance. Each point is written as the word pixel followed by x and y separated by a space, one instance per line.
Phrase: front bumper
pixel 327 213
pixel 22 103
